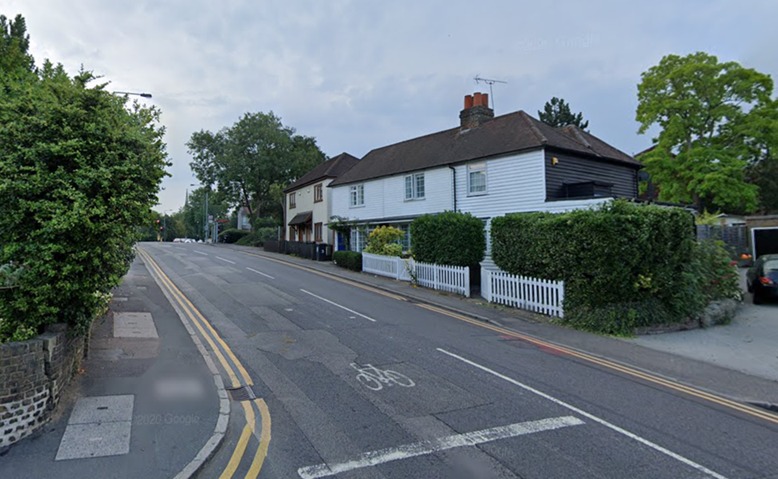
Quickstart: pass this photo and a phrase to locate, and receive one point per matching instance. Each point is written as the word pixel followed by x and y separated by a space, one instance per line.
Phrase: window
pixel 405 241
pixel 357 195
pixel 359 238
pixel 414 186
pixel 476 178
pixel 317 232
pixel 318 194
pixel 292 201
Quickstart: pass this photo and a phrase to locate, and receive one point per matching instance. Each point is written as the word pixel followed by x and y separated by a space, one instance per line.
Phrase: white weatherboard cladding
pixel 513 183
pixel 385 197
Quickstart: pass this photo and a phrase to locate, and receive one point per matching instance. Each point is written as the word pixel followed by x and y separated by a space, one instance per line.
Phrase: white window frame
pixel 356 196
pixel 412 190
pixel 476 168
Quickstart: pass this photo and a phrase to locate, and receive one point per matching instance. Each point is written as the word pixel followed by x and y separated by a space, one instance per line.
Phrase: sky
pixel 362 74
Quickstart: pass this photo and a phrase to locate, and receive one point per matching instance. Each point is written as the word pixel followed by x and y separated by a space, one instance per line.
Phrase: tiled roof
pixel 331 168
pixel 501 135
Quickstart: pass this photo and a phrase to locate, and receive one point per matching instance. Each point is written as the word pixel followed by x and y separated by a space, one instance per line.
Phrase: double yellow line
pixel 743 408
pixel 233 368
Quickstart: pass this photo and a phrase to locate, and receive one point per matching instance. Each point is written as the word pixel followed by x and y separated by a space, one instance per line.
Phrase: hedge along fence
pixel 624 265
pixel 449 238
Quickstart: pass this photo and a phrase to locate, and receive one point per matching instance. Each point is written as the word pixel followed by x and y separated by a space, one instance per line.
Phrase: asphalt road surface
pixel 358 383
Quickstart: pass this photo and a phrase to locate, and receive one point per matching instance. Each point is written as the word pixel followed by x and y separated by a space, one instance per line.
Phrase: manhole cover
pixel 243 393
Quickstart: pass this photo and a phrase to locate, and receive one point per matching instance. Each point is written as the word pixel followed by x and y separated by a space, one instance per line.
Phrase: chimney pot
pixel 485 99
pixel 477 99
pixel 468 102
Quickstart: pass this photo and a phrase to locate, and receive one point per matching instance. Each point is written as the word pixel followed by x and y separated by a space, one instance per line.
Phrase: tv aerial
pixel 489 82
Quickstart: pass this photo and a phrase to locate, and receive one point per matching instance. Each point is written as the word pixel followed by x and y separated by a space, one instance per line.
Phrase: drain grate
pixel 763 405
pixel 243 393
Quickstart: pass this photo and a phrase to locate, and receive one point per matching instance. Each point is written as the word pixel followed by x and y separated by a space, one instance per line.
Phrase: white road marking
pixel 225 260
pixel 260 272
pixel 421 448
pixel 341 307
pixel 594 418
pixel 200 252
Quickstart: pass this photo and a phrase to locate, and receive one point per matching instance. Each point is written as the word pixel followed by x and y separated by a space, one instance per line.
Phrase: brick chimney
pixel 476 111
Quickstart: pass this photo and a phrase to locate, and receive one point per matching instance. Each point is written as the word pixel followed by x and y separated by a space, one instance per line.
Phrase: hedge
pixel 450 238
pixel 624 265
pixel 348 259
pixel 232 235
pixel 258 237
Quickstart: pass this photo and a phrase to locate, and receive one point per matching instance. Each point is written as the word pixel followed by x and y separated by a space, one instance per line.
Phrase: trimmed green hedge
pixel 258 237
pixel 348 259
pixel 450 238
pixel 624 265
pixel 232 235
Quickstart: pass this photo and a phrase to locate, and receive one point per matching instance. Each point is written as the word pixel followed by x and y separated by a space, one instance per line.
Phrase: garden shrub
pixel 79 171
pixel 624 265
pixel 258 237
pixel 232 235
pixel 449 238
pixel 348 259
pixel 384 241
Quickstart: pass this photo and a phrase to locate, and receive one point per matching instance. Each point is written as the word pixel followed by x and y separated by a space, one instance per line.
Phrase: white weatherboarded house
pixel 488 166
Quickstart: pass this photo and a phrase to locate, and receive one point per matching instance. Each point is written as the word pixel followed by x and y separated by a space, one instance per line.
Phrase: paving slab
pixel 134 325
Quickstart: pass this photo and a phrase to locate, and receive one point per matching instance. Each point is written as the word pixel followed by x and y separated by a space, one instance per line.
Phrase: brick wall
pixel 32 375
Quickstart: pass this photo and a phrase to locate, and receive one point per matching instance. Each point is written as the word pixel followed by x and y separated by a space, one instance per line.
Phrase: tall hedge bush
pixel 624 265
pixel 450 238
pixel 79 170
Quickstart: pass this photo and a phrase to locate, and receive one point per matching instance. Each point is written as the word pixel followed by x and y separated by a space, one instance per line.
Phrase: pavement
pixel 147 404
pixel 144 404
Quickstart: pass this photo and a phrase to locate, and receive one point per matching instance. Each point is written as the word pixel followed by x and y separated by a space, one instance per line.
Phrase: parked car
pixel 762 278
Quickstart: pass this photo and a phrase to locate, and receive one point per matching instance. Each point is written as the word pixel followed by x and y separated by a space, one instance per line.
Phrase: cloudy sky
pixel 358 75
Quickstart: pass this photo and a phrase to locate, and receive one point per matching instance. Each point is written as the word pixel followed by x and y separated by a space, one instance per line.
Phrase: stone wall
pixel 32 375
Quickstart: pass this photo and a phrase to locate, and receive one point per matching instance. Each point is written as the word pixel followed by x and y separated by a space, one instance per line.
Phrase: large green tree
pixel 15 57
pixel 79 170
pixel 716 122
pixel 556 112
pixel 251 160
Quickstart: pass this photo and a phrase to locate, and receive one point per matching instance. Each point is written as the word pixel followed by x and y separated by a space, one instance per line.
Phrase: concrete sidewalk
pixel 143 406
pixel 748 344
pixel 739 361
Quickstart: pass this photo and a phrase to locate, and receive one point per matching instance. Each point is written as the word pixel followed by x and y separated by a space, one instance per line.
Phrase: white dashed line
pixel 200 252
pixel 260 273
pixel 594 418
pixel 422 448
pixel 336 304
pixel 225 260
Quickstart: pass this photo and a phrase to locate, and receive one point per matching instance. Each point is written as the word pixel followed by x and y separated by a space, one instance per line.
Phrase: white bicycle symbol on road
pixel 374 378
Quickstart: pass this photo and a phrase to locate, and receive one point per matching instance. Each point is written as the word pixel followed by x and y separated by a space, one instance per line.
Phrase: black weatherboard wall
pixel 572 170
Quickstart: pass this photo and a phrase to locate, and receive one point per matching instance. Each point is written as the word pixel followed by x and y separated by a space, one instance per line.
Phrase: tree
pixel 79 171
pixel 557 113
pixel 14 46
pixel 252 160
pixel 716 121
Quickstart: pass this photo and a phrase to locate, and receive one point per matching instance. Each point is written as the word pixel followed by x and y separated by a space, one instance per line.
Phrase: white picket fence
pixel 454 279
pixel 389 266
pixel 539 295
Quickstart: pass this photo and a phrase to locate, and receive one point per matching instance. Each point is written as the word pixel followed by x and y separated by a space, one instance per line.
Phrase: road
pixel 354 382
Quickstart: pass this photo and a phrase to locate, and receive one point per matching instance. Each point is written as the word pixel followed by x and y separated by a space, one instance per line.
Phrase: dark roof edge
pixel 596 157
pixel 309 183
